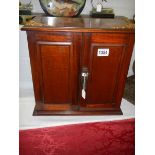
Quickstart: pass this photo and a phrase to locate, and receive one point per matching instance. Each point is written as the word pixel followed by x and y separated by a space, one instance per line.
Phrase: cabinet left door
pixel 54 64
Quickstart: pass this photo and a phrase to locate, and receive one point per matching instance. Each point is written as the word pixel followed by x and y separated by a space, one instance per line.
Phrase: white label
pixel 99 8
pixel 83 94
pixel 103 52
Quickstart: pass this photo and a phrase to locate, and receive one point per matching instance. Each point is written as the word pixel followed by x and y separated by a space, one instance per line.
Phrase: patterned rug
pixel 99 138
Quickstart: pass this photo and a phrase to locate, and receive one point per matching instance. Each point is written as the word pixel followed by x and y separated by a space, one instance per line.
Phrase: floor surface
pixel 27 121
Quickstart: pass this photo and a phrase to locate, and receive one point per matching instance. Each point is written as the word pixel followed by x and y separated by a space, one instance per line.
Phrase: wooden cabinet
pixel 79 69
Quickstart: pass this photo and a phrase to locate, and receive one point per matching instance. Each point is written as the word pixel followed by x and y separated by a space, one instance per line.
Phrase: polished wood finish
pixel 82 24
pixel 60 48
pixel 54 66
pixel 104 72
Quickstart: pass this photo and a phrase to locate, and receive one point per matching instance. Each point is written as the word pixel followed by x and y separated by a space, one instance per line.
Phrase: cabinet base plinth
pixel 72 112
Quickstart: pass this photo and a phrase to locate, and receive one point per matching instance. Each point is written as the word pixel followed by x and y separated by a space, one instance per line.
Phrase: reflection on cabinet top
pixel 120 24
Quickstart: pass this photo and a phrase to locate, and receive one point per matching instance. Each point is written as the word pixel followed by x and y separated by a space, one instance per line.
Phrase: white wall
pixel 121 7
pixel 25 79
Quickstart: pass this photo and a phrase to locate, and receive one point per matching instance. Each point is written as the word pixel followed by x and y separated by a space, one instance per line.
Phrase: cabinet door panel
pixel 56 66
pixel 104 72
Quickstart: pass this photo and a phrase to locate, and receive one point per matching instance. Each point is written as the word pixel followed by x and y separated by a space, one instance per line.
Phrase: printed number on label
pixel 103 52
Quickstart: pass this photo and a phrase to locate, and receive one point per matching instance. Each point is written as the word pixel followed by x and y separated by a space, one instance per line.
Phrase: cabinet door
pixel 104 70
pixel 106 58
pixel 54 62
pixel 56 66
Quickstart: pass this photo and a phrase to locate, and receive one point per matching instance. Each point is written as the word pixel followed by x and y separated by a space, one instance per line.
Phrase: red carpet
pixel 101 138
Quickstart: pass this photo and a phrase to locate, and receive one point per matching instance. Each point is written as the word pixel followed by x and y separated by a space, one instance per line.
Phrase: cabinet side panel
pixel 124 69
pixel 34 65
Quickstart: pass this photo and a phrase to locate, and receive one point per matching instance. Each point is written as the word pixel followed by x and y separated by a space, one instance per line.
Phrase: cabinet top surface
pixel 79 24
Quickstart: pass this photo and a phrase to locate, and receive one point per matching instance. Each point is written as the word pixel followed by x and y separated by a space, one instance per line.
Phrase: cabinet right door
pixel 108 57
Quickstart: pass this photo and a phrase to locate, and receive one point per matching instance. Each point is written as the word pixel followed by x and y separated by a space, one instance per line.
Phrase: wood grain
pixel 62 24
pixel 60 48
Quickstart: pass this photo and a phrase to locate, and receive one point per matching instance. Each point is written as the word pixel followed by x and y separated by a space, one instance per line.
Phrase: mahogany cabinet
pixel 79 65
